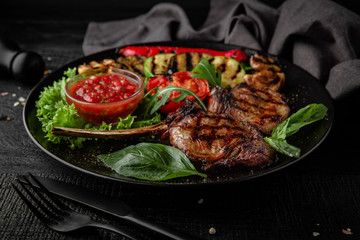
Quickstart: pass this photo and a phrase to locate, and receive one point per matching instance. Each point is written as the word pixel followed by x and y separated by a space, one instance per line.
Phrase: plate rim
pixel 113 51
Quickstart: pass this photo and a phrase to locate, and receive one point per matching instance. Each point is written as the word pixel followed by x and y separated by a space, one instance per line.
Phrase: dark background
pixel 317 195
pixel 93 10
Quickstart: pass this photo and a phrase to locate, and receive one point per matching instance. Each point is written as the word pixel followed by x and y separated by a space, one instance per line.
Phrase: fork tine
pixel 38 203
pixel 49 194
pixel 51 205
pixel 31 206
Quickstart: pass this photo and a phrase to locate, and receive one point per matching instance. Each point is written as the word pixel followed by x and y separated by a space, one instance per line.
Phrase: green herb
pixel 246 67
pixel 304 116
pixel 162 95
pixel 150 161
pixel 52 110
pixel 207 71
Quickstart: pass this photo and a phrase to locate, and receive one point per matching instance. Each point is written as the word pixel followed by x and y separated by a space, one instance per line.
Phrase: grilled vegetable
pixel 231 70
pixel 150 51
pixel 104 64
pixel 198 86
pixel 185 61
pixel 132 63
pixel 157 65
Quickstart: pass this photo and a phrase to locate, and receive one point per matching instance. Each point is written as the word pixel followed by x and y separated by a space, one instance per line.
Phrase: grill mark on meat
pixel 263 108
pixel 264 92
pixel 211 130
pixel 211 139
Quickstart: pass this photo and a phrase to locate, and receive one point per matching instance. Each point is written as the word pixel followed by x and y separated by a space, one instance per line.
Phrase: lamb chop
pixel 264 108
pixel 208 139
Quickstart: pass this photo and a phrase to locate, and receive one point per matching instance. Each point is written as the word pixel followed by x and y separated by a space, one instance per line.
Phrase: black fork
pixel 55 214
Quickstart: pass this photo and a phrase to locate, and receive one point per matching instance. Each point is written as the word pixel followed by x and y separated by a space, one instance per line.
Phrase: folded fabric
pixel 319 36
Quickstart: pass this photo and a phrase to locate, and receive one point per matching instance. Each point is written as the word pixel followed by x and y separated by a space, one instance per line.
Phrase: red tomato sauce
pixel 105 98
pixel 103 89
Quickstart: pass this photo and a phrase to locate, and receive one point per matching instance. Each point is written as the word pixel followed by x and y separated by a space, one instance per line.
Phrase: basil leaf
pixel 304 116
pixel 150 161
pixel 280 145
pixel 155 103
pixel 207 71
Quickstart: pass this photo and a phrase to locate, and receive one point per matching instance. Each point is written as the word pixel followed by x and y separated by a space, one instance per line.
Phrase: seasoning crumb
pixel 16 104
pixel 4 93
pixel 200 201
pixel 46 72
pixel 315 234
pixel 347 231
pixel 212 231
pixel 8 118
pixel 13 95
pixel 21 99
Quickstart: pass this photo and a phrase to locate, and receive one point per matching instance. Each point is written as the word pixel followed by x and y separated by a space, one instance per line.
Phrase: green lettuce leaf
pixel 52 110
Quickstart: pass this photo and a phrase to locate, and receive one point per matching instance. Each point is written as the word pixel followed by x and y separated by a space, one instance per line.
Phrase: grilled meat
pixel 208 139
pixel 263 108
pixel 211 139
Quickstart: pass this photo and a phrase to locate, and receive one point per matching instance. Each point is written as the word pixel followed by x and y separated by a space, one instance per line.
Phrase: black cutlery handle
pixel 146 223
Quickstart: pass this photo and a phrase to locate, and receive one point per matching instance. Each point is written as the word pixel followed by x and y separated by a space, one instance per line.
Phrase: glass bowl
pixel 105 95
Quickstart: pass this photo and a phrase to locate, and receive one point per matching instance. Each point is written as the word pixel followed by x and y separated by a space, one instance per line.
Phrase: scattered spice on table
pixel 347 231
pixel 212 231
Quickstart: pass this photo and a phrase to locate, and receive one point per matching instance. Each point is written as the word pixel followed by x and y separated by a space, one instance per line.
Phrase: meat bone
pixel 156 129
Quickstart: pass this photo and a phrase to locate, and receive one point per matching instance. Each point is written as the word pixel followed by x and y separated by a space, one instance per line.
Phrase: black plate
pixel 300 88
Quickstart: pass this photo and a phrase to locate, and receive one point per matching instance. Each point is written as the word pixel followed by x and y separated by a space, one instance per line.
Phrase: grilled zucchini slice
pixel 231 70
pixel 185 61
pixel 157 65
pixel 132 63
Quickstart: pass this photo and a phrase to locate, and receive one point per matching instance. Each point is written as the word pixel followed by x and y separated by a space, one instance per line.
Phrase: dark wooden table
pixel 316 198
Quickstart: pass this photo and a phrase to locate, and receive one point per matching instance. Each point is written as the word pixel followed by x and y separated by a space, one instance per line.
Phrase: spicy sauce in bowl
pixel 105 95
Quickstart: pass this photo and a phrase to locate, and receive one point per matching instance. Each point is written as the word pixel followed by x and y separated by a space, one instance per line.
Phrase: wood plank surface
pixel 317 198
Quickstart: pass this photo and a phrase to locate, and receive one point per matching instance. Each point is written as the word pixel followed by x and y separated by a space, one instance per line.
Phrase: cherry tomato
pixel 179 79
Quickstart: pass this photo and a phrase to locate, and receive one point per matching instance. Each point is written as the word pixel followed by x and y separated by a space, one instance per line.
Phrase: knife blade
pixel 107 204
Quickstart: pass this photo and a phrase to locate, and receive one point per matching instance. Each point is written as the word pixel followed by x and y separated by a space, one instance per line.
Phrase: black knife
pixel 110 205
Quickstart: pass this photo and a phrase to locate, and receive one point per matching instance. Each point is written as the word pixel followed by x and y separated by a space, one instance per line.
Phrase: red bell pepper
pixel 150 51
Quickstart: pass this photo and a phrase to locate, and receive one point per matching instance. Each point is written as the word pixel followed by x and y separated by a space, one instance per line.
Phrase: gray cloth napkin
pixel 320 36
